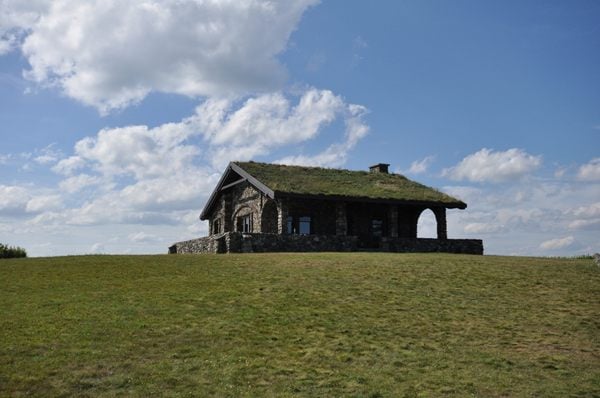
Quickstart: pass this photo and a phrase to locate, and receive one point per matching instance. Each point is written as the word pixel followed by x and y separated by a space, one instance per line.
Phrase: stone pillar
pixel 341 222
pixel 282 214
pixel 393 221
pixel 412 219
pixel 228 223
pixel 440 216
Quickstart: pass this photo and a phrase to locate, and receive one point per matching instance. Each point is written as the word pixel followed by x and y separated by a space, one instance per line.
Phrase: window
pixel 216 227
pixel 304 225
pixel 247 223
pixel 377 227
pixel 298 225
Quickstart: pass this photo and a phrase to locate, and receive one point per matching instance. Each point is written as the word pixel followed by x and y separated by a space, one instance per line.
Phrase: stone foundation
pixel 237 242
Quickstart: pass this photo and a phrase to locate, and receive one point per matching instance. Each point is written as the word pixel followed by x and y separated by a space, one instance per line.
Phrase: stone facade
pixel 237 242
pixel 246 216
pixel 245 220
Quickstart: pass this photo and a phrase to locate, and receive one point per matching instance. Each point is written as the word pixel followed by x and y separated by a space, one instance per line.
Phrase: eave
pixel 232 167
pixel 456 205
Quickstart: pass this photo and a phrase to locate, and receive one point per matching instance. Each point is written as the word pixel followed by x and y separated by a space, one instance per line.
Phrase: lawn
pixel 322 325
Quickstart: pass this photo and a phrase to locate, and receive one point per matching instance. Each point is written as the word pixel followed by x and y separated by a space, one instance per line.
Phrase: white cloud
pixel 43 203
pixel 590 225
pixel 47 155
pixel 488 166
pixel 110 53
pixel 68 165
pixel 558 243
pixel 270 121
pixel 16 17
pixel 13 199
pixel 97 248
pixel 147 175
pixel 336 154
pixel 143 237
pixel 483 227
pixel 560 172
pixel 78 182
pixel 586 217
pixel 515 218
pixel 593 210
pixel 5 158
pixel 590 171
pixel 421 166
pixel 138 150
pixel 19 200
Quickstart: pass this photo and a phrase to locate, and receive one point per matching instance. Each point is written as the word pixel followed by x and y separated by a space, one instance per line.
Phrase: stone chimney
pixel 379 168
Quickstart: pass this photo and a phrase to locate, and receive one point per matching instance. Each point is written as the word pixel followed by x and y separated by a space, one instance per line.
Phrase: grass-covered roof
pixel 301 180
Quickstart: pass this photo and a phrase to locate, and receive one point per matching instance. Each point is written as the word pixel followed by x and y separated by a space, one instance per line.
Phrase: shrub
pixel 11 252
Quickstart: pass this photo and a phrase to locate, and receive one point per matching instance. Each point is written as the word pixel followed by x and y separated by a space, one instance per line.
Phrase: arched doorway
pixel 244 220
pixel 427 225
pixel 268 219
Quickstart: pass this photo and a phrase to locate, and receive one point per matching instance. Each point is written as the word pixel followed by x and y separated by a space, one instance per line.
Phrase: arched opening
pixel 268 219
pixel 243 220
pixel 427 225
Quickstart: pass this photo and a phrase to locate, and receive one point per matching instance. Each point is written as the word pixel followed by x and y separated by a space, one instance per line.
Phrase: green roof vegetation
pixel 335 182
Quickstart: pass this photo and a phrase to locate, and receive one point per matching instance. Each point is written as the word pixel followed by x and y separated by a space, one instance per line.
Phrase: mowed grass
pixel 323 325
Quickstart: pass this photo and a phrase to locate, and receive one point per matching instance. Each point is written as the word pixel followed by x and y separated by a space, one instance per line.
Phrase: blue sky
pixel 117 118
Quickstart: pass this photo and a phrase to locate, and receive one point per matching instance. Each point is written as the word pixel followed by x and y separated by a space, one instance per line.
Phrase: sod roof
pixel 317 181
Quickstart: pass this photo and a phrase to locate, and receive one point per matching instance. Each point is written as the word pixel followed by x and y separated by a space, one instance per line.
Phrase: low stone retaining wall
pixel 237 242
pixel 208 244
pixel 423 245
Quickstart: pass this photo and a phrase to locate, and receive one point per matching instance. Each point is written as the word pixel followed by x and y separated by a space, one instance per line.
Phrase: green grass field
pixel 323 325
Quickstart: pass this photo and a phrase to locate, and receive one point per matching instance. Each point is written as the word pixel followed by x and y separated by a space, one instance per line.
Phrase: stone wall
pixel 237 242
pixel 208 244
pixel 424 245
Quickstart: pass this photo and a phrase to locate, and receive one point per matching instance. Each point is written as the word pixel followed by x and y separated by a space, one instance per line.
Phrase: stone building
pixel 260 207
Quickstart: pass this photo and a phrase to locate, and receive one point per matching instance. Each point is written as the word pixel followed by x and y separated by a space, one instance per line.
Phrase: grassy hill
pixel 356 324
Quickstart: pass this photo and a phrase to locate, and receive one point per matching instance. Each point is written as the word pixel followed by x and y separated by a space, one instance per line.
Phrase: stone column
pixel 393 221
pixel 411 220
pixel 440 216
pixel 341 222
pixel 228 223
pixel 282 214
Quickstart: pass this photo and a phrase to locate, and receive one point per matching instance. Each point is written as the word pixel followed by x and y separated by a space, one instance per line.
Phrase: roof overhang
pixel 222 185
pixel 229 180
pixel 362 199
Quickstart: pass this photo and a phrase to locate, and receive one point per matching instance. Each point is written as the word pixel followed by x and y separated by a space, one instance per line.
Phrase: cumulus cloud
pixel 143 237
pixel 585 217
pixel 47 155
pixel 515 218
pixel 336 154
pixel 13 199
pixel 138 150
pixel 154 175
pixel 19 200
pixel 558 243
pixel 593 210
pixel 43 203
pixel 483 227
pixel 186 47
pixel 269 121
pixel 489 166
pixel 421 166
pixel 97 248
pixel 16 18
pixel 78 182
pixel 590 171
